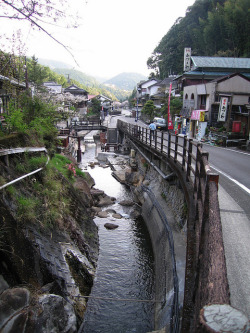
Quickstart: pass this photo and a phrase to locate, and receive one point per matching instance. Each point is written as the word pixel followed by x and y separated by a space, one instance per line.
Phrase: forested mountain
pixel 210 28
pixel 90 84
pixel 125 81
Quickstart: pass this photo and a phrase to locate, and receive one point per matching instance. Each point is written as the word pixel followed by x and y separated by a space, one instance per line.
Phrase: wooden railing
pixel 206 276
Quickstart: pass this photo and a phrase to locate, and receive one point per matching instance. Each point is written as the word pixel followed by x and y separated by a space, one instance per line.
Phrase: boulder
pixel 117 216
pixel 57 315
pixel 12 301
pixel 110 226
pixel 126 203
pixel 103 214
pixel 105 201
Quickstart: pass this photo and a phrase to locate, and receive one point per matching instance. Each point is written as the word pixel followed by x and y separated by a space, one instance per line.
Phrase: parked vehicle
pixel 160 123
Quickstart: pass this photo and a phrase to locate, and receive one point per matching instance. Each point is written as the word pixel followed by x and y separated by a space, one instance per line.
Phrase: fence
pixel 206 277
pixel 6 152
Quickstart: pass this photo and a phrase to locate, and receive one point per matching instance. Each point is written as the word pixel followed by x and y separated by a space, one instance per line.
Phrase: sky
pixel 115 36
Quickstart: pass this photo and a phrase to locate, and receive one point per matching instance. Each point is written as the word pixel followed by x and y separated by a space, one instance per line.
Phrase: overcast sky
pixel 115 36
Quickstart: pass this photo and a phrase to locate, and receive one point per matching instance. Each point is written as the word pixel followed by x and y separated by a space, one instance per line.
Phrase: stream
pixel 123 287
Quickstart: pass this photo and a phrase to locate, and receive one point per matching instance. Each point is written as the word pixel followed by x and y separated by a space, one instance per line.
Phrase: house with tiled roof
pixel 221 102
pixel 205 69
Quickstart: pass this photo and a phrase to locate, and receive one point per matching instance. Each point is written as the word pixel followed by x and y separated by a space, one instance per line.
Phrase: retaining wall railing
pixel 5 153
pixel 206 277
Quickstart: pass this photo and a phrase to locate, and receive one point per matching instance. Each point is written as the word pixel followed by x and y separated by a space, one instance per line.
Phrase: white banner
pixel 187 59
pixel 223 109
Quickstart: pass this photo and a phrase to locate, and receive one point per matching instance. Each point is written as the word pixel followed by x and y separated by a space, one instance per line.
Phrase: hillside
pixel 209 28
pixel 125 81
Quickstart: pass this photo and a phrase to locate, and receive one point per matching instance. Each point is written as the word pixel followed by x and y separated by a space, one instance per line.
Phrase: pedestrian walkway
pixel 236 231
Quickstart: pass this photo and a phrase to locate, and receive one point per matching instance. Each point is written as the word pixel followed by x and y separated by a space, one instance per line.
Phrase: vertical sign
pixel 223 109
pixel 170 123
pixel 187 59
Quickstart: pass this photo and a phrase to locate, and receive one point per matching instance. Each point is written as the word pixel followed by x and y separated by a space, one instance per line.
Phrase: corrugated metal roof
pixel 221 62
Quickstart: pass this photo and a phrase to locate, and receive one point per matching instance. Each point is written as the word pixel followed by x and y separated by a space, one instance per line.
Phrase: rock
pixel 96 192
pixel 3 284
pixel 111 211
pixel 83 187
pixel 12 301
pixel 135 214
pixel 126 203
pixel 120 176
pixel 103 214
pixel 106 201
pixel 117 216
pixel 110 226
pixel 57 315
pixel 96 209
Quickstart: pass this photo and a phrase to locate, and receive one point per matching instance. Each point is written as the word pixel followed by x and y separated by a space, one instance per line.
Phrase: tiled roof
pixel 220 62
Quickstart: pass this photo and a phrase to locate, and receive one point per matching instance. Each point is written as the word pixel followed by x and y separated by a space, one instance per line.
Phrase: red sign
pixel 170 123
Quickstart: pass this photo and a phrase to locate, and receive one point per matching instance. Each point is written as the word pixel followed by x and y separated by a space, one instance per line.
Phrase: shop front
pixel 198 124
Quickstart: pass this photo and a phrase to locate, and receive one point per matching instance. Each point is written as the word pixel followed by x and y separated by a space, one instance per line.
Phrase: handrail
pixel 205 247
pixel 6 152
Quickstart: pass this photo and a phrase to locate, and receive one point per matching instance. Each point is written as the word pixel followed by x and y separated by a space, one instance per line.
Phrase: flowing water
pixel 124 281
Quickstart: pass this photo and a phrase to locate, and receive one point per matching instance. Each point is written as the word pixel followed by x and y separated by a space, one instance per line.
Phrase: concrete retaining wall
pixel 168 197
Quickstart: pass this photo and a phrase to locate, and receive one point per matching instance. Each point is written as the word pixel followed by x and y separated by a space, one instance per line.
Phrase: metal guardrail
pixel 206 276
pixel 6 152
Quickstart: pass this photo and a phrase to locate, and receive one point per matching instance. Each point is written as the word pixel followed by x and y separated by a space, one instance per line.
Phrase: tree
pixel 211 28
pixel 149 109
pixel 41 14
pixel 95 107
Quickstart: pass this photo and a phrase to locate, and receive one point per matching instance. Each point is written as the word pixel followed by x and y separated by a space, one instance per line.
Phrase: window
pixel 186 96
pixel 192 96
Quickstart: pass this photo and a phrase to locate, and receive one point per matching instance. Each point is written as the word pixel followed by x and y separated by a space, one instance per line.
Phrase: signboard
pixel 223 109
pixel 198 115
pixel 170 123
pixel 187 59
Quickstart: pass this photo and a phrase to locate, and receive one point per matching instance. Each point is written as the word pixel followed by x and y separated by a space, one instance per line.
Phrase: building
pixel 80 98
pixel 9 88
pixel 206 69
pixel 218 103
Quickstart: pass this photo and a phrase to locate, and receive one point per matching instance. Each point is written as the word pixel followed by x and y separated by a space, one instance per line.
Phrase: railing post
pixel 184 152
pixel 169 144
pixel 161 142
pixel 155 138
pixel 176 148
pixel 190 147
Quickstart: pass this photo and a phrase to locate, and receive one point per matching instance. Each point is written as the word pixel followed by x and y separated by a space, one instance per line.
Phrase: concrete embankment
pixel 164 212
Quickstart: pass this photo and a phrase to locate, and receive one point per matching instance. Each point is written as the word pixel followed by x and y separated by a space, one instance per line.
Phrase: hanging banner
pixel 223 109
pixel 170 123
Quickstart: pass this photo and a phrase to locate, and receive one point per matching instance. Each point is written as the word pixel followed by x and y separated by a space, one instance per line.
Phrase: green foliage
pixel 27 208
pixel 34 117
pixel 29 164
pixel 15 120
pixel 95 107
pixel 61 163
pixel 210 28
pixel 149 109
